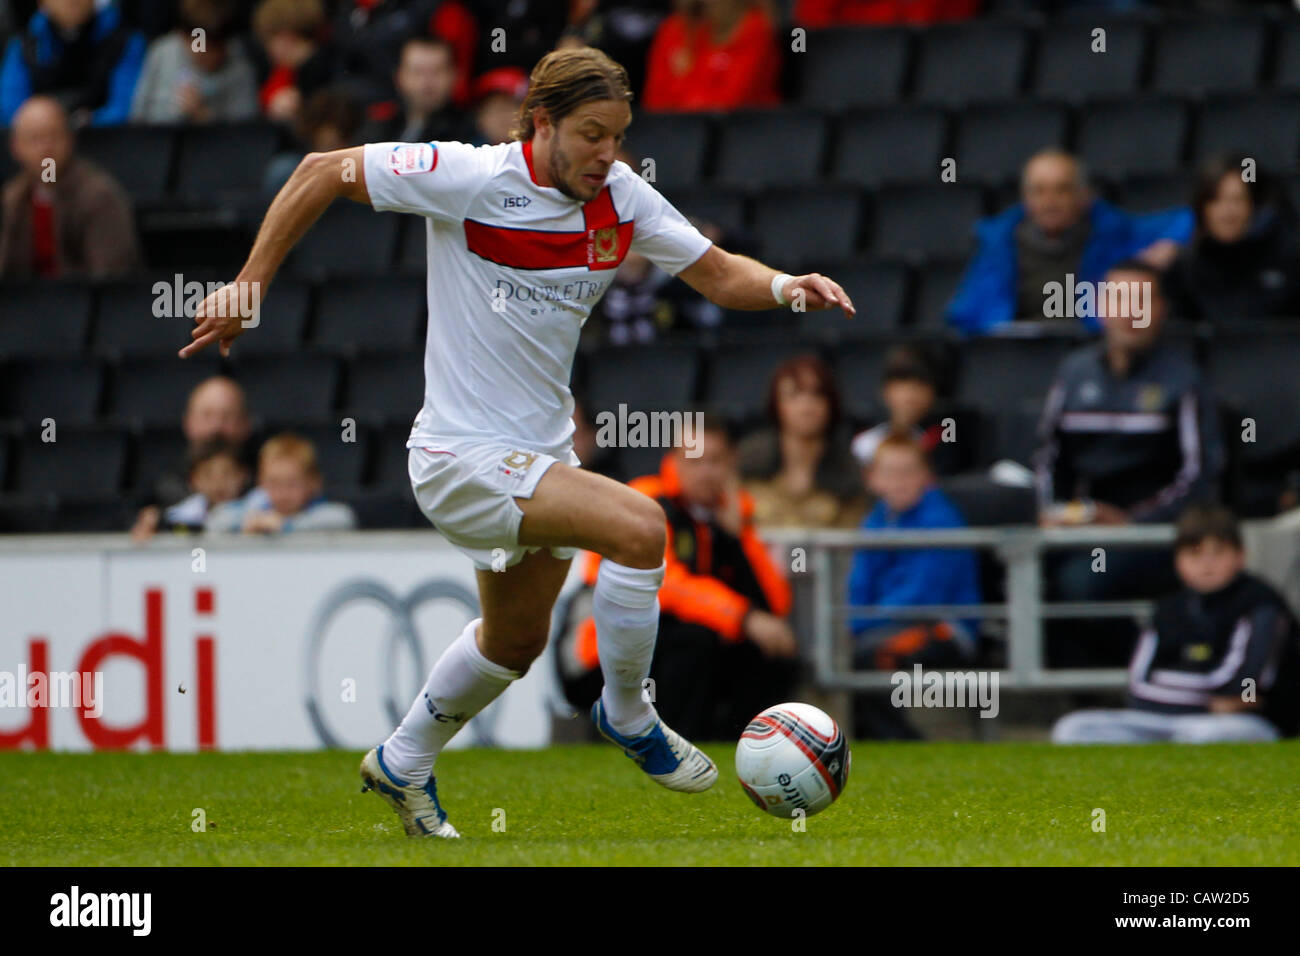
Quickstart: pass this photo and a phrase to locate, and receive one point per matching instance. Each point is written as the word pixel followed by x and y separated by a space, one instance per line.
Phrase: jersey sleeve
pixel 427 179
pixel 661 233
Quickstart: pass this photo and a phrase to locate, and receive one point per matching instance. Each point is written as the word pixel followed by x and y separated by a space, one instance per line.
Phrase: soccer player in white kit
pixel 523 239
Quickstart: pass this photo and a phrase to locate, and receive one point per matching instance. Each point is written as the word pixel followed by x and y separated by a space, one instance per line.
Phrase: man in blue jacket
pixel 84 57
pixel 900 475
pixel 1059 229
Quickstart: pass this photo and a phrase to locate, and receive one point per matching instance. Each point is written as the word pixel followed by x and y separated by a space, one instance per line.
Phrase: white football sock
pixel 625 605
pixel 461 684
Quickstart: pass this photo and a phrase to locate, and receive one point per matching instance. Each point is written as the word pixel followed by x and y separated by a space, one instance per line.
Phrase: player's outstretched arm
pixel 739 282
pixel 319 179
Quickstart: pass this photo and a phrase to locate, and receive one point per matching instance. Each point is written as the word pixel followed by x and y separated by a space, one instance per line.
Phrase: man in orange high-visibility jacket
pixel 724 650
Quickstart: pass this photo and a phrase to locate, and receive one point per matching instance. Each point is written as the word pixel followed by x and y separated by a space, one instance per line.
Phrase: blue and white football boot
pixel 666 756
pixel 417 807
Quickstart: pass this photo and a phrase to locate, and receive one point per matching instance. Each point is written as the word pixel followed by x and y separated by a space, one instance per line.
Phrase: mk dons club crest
pixel 517 463
pixel 604 245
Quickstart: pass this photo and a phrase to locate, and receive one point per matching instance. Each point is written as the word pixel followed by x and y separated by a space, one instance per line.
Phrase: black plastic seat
pixel 154 391
pixel 993 143
pixel 738 378
pixel 1130 138
pixel 847 67
pixel 384 386
pixel 1255 374
pixel 138 157
pixel 971 63
pixel 893 145
pixel 349 239
pixel 82 462
pixel 879 292
pixel 677 143
pixel 808 227
pixel 1208 55
pixel 925 222
pixel 1267 129
pixel 770 148
pixel 223 161
pixel 43 319
pixel 67 390
pixel 653 376
pixel 369 312
pixel 133 320
pixel 722 207
pixel 1069 68
pixel 289 389
pixel 936 283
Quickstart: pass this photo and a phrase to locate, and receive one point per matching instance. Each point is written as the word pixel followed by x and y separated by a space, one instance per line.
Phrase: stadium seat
pixel 376 312
pixel 738 379
pixel 807 227
pixel 384 386
pixel 993 143
pixel 138 157
pixel 724 208
pixel 633 463
pixel 350 239
pixel 282 319
pixel 27 514
pixel 99 513
pixel 1001 373
pixel 844 68
pixel 1068 67
pixel 857 370
pixel 224 161
pixel 389 470
pixel 1264 128
pixel 984 504
pixel 677 143
pixel 126 324
pixel 1255 373
pixel 381 509
pixel 157 450
pixel 925 222
pixel 301 388
pixel 413 246
pixel 1208 55
pixel 1133 137
pixel 154 391
pixel 43 319
pixel 878 290
pixel 1153 193
pixel 83 462
pixel 652 376
pixel 893 145
pixel 970 63
pixel 4 460
pixel 65 389
pixel 748 154
pixel 1286 61
pixel 936 283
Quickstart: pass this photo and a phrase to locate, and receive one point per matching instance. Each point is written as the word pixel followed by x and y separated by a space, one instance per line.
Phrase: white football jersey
pixel 514 269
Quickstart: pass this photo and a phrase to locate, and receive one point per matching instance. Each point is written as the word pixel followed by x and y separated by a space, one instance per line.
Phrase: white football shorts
pixel 467 488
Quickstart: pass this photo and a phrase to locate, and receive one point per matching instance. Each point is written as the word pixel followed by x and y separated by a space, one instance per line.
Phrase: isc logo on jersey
pixel 411 158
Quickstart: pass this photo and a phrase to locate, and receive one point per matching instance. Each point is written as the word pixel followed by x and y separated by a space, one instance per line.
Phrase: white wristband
pixel 778 283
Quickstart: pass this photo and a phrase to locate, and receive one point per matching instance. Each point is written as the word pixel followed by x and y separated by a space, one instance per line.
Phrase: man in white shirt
pixel 523 239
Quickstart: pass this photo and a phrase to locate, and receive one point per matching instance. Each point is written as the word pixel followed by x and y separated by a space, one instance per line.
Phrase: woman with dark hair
pixel 799 470
pixel 1244 260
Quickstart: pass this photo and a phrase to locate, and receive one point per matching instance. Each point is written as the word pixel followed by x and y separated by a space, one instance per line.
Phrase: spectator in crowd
pixel 498 94
pixel 901 478
pixel 1244 261
pixel 218 473
pixel 910 393
pixel 799 470
pixel 216 410
pixel 1130 434
pixel 425 77
pixel 725 650
pixel 1058 229
pixel 368 37
pixel 716 55
pixel 202 77
pixel 1221 661
pixel 287 497
pixel 843 13
pixel 60 214
pixel 80 53
pixel 291 34
pixel 330 120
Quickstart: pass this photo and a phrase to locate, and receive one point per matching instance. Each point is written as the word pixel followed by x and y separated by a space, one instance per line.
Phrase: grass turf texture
pixel 911 804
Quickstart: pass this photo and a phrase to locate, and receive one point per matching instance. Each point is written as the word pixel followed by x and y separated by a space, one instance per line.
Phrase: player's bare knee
pixel 645 537
pixel 516 651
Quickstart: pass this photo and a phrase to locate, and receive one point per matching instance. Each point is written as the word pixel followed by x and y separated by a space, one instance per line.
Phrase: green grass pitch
pixel 910 804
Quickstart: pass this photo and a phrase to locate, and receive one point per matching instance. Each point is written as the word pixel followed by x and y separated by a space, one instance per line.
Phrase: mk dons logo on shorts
pixel 517 463
pixel 602 245
pixel 411 158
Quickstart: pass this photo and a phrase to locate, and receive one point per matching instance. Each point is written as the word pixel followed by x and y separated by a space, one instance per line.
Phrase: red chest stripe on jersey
pixel 603 244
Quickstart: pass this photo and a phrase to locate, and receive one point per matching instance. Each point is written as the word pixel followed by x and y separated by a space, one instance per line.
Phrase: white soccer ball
pixel 793 757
